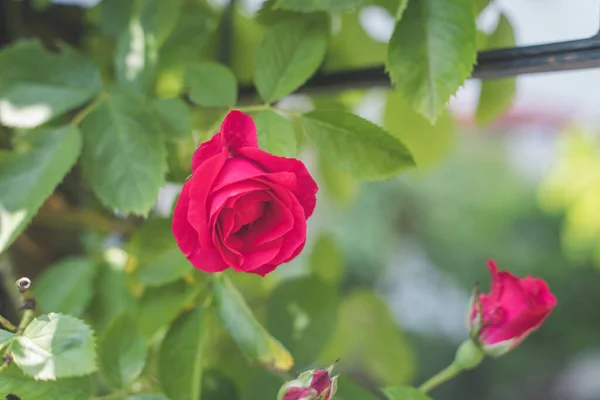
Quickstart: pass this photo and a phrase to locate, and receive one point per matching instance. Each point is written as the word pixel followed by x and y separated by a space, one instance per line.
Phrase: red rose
pixel 510 311
pixel 242 207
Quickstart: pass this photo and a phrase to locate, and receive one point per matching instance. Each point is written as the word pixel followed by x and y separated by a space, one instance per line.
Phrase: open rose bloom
pixel 512 309
pixel 242 208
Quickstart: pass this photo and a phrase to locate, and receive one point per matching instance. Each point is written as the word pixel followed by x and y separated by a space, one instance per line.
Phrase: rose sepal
pixel 469 355
pixel 499 349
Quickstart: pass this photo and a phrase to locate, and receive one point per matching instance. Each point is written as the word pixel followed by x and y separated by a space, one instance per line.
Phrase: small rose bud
pixel 310 385
pixel 513 308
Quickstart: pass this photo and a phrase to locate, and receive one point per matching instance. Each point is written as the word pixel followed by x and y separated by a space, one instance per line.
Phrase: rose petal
pixel 506 289
pixel 539 290
pixel 250 208
pixel 231 256
pixel 207 260
pixel 514 327
pixel 207 150
pixel 185 235
pixel 236 170
pixel 257 256
pixel 263 270
pixel 226 220
pixel 295 239
pixel 300 393
pixel 320 380
pixel 276 221
pixel 306 189
pixel 238 130
pixel 227 196
pixel 200 186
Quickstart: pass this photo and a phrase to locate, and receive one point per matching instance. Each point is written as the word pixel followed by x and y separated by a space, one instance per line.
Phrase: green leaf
pixel 36 86
pixel 260 384
pixel 342 187
pixel 378 348
pixel 174 117
pixel 308 6
pixel 160 260
pixel 29 174
pixel 211 84
pixel 159 17
pixel 154 235
pixel 269 14
pixel 55 346
pixel 168 266
pixel 303 313
pixel 189 37
pixel 122 351
pixel 402 4
pixel 112 296
pixel 497 95
pixel 405 393
pixel 14 382
pixel 428 143
pixel 123 154
pixel 276 134
pixel 289 54
pixel 5 337
pixel 180 357
pixel 148 397
pixel 158 307
pixel 256 343
pixel 480 5
pixel 432 52
pixel 115 16
pixel 136 58
pixel 326 259
pixel 355 145
pixel 341 52
pixel 66 287
pixel 216 385
pixel 245 40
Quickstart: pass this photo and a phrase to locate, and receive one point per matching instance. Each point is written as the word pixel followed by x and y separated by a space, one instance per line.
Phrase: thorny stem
pixel 7 324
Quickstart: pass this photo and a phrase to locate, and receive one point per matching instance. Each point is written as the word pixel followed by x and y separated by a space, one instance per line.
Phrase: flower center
pixel 245 218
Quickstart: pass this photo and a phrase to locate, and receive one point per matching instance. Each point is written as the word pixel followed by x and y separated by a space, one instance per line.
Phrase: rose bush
pixel 512 309
pixel 242 207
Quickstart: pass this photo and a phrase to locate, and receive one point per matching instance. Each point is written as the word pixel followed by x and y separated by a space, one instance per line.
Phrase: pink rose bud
pixel 512 309
pixel 310 385
pixel 242 208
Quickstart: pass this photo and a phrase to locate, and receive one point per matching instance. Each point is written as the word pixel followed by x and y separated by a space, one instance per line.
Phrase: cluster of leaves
pixel 130 114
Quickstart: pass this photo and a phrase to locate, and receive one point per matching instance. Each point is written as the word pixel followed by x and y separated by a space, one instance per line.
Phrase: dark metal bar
pixel 491 64
pixel 564 56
